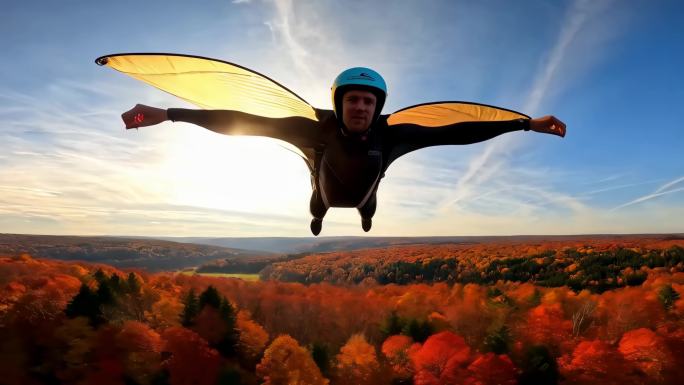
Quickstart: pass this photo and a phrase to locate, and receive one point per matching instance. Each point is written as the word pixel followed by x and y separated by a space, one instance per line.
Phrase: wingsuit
pixel 347 168
pixel 346 164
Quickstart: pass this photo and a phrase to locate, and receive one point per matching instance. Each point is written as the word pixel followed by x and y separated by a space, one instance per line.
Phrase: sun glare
pixel 237 173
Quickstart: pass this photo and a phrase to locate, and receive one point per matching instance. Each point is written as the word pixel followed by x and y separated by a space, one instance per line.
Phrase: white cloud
pixel 616 187
pixel 493 165
pixel 662 190
pixel 669 184
pixel 580 12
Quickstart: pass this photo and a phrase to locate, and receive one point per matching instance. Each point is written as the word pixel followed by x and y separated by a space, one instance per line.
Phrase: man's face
pixel 358 108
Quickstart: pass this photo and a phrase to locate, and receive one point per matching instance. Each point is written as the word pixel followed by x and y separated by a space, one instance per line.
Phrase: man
pixel 352 145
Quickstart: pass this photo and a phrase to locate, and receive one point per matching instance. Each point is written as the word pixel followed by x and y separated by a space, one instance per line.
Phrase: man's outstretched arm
pixel 411 137
pixel 301 132
pixel 473 132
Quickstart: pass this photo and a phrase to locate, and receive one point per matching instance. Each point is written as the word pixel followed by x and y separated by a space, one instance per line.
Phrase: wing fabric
pixel 445 113
pixel 212 84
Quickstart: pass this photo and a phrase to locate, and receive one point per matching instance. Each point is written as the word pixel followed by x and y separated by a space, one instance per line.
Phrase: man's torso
pixel 351 165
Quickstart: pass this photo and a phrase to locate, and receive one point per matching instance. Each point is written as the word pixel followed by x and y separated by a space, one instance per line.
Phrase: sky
pixel 610 69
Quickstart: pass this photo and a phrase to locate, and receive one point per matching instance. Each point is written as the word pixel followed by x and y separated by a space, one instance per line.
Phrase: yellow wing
pixel 212 84
pixel 445 113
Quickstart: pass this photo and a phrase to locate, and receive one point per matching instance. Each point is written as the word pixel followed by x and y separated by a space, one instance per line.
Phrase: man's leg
pixel 318 210
pixel 367 211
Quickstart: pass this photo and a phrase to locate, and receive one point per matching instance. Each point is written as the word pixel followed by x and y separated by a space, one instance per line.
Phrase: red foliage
pixel 138 337
pixel 209 325
pixel 142 347
pixel 396 350
pixel 648 351
pixel 546 325
pixel 34 293
pixel 14 359
pixel 492 369
pixel 108 367
pixel 442 357
pixel 192 360
pixel 425 377
pixel 597 362
pixel 627 309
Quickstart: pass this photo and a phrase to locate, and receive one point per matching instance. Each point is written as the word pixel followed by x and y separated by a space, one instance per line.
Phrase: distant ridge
pixel 285 245
pixel 122 252
pixel 177 253
pixel 322 244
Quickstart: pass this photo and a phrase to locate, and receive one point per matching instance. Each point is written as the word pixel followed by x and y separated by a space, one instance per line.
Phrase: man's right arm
pixel 300 131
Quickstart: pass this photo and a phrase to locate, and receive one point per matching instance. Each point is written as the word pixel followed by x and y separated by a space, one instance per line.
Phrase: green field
pixel 246 277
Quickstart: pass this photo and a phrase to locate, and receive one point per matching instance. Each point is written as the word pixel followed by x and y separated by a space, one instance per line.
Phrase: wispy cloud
pixel 321 39
pixel 578 15
pixel 492 163
pixel 475 174
pixel 303 38
pixel 605 179
pixel 648 197
pixel 669 184
pixel 616 187
pixel 284 23
pixel 662 190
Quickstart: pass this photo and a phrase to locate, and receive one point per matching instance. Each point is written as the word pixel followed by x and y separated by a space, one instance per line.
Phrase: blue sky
pixel 612 70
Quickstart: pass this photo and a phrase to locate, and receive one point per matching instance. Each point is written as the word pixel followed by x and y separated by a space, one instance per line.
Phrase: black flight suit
pixel 348 167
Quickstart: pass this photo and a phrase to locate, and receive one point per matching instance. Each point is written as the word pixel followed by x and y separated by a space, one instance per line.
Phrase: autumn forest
pixel 600 310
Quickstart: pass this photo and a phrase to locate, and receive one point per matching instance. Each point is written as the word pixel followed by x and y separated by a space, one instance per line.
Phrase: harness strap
pixel 318 157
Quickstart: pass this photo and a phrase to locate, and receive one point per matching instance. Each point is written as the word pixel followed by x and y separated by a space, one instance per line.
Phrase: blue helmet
pixel 359 78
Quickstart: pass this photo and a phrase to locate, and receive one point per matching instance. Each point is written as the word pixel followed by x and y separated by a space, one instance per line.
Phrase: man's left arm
pixel 472 132
pixel 410 137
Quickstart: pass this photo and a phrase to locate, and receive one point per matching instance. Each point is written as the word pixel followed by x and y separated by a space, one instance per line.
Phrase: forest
pixel 596 266
pixel 80 323
pixel 142 253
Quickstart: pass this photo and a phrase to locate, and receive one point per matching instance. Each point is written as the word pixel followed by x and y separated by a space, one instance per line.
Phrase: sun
pixel 236 173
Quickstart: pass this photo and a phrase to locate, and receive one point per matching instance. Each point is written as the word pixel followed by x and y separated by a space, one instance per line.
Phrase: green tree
pixel 115 283
pixel 418 330
pixel 667 296
pixel 100 276
pixel 321 356
pixel 191 308
pixel 133 283
pixel 210 297
pixel 636 279
pixel 227 310
pixel 539 367
pixel 229 376
pixel 227 346
pixel 535 298
pixel 393 325
pixel 499 341
pixel 161 378
pixel 493 292
pixel 85 304
pixel 105 294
